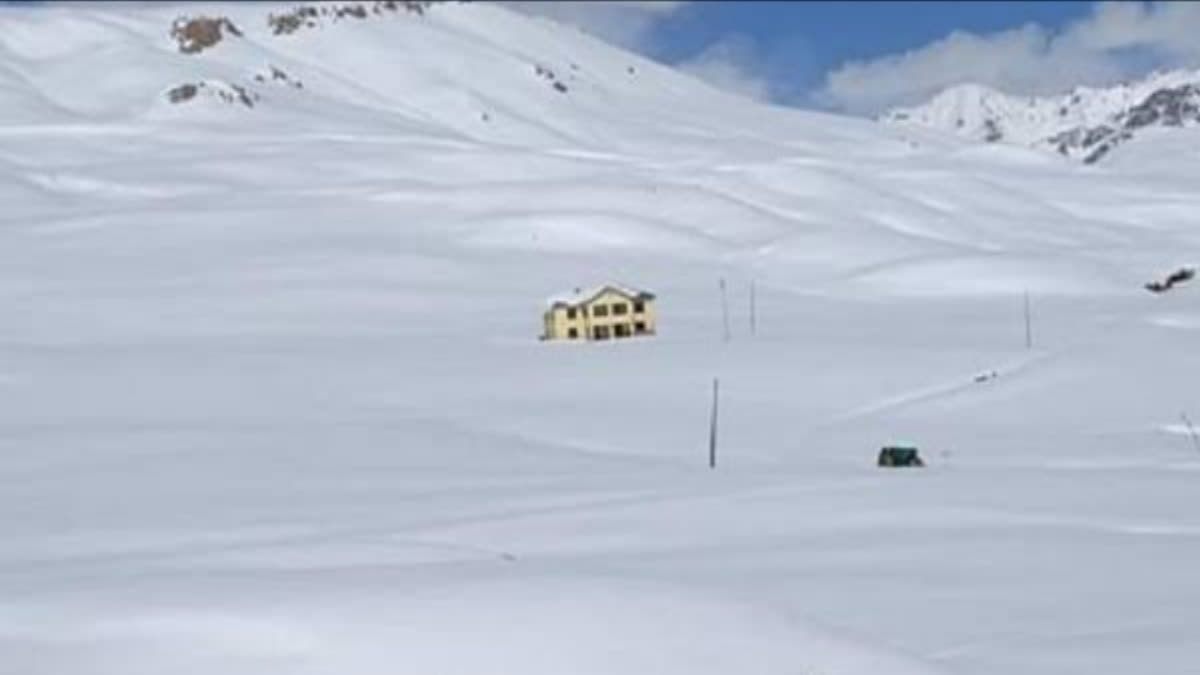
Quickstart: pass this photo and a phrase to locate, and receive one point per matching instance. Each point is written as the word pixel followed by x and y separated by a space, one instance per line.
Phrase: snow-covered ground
pixel 273 400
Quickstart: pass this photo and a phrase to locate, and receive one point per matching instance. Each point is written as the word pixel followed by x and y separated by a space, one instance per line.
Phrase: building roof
pixel 581 296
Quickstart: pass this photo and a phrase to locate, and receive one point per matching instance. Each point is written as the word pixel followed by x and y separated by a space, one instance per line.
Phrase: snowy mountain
pixel 272 277
pixel 1086 123
pixel 454 70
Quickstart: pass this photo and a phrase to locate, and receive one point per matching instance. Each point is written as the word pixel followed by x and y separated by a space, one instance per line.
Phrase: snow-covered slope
pixel 274 402
pixel 455 70
pixel 1086 122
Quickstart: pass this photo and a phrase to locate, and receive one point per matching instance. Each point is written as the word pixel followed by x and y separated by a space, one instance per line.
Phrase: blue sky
pixel 793 44
pixel 861 57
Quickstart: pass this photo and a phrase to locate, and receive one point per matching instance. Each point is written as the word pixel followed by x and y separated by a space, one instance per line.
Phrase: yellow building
pixel 602 313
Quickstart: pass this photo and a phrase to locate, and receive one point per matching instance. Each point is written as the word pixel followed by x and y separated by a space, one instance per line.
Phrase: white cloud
pixel 730 64
pixel 1026 60
pixel 1171 27
pixel 625 24
pixel 657 6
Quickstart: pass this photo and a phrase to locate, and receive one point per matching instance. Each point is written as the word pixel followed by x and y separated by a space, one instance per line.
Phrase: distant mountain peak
pixel 1085 123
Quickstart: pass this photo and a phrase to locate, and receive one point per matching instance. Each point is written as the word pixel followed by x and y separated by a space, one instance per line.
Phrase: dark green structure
pixel 898 455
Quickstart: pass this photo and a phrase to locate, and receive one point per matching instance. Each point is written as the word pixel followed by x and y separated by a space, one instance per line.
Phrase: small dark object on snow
pixel 184 92
pixel 559 86
pixel 1180 275
pixel 894 455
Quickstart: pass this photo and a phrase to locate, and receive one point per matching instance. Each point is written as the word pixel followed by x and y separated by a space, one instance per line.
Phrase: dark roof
pixel 583 296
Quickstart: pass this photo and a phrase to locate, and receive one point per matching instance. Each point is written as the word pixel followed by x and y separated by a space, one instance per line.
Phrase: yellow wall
pixel 558 323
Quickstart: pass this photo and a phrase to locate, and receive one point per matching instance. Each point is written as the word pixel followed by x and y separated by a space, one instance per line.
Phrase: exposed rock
pixel 243 96
pixel 1169 107
pixel 1095 135
pixel 1109 143
pixel 284 24
pixel 417 6
pixel 1172 107
pixel 993 132
pixel 548 75
pixel 225 92
pixel 309 16
pixel 1178 276
pixel 195 34
pixel 184 92
pixel 356 11
pixel 279 76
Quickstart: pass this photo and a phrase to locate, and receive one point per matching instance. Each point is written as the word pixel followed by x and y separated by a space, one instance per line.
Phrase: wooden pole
pixel 712 427
pixel 724 310
pixel 753 312
pixel 1028 324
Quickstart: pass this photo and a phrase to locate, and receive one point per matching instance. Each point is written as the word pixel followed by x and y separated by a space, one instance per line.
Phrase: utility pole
pixel 725 310
pixel 1028 324
pixel 712 427
pixel 753 312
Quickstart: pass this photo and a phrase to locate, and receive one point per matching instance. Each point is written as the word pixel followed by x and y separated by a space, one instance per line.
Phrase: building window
pixel 572 333
pixel 600 310
pixel 570 312
pixel 621 330
pixel 620 309
pixel 600 333
pixel 639 328
pixel 639 307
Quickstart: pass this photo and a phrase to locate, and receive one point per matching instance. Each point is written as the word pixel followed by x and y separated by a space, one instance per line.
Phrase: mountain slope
pixel 440 70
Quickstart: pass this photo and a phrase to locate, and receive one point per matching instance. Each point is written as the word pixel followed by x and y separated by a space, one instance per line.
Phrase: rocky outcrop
pixel 315 15
pixel 195 34
pixel 278 76
pixel 1177 277
pixel 222 91
pixel 548 75
pixel 1174 107
pixel 993 133
pixel 1170 107
pixel 182 93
